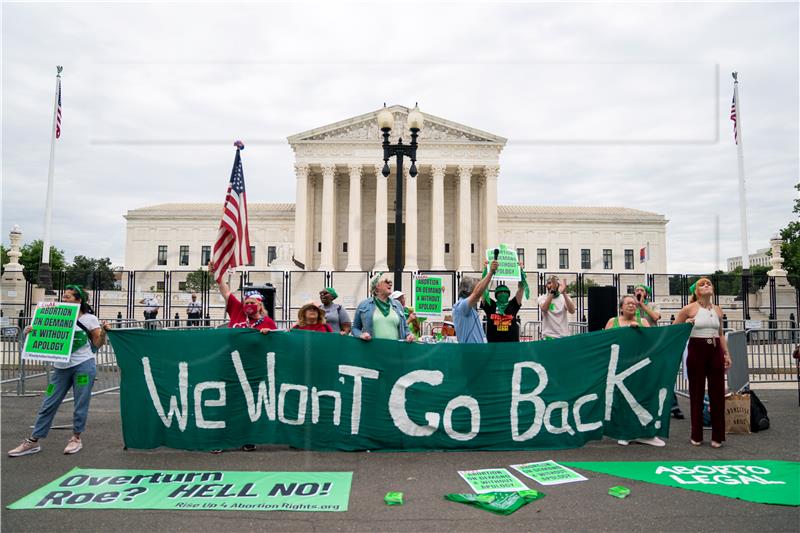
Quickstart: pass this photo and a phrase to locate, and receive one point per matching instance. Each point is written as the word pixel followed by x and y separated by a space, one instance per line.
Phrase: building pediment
pixel 364 129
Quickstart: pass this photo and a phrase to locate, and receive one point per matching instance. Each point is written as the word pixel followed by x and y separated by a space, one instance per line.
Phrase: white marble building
pixel 344 215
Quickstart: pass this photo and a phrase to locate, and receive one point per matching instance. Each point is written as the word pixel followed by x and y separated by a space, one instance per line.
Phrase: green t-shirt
pixel 385 327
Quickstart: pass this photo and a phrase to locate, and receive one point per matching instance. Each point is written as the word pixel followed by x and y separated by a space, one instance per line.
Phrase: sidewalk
pixel 424 478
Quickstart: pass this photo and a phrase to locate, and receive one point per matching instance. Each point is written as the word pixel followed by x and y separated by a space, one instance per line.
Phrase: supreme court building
pixel 343 218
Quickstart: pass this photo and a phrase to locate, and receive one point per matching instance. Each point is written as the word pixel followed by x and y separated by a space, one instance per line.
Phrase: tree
pixel 199 280
pixel 3 258
pixel 88 272
pixel 572 288
pixel 30 256
pixel 790 249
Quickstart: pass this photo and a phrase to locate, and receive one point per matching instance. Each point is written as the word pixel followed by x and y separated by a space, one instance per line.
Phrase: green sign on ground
pixel 775 482
pixel 428 296
pixel 53 328
pixel 221 388
pixel 508 269
pixel 492 480
pixel 184 490
pixel 548 473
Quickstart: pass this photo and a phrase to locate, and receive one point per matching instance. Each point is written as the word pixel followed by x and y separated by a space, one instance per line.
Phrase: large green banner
pixel 202 390
pixel 192 491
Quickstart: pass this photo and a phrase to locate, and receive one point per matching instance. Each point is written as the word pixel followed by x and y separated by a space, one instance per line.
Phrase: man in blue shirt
pixel 469 329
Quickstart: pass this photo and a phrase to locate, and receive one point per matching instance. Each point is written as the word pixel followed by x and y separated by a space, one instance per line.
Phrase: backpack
pixel 759 421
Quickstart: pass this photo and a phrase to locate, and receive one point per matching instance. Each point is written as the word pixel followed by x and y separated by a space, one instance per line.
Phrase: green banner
pixel 428 296
pixel 209 389
pixel 508 268
pixel 775 482
pixel 53 327
pixel 192 491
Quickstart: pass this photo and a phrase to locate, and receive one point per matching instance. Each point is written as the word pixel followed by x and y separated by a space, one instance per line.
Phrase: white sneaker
pixel 655 441
pixel 623 442
pixel 74 445
pixel 26 447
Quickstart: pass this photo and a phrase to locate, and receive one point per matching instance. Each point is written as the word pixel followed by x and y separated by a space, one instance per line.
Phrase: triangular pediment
pixel 364 128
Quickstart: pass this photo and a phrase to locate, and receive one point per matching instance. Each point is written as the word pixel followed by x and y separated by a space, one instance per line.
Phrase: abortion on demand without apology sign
pixel 52 331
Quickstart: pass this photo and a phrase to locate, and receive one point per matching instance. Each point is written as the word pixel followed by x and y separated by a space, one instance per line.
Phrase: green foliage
pixel 3 258
pixel 572 288
pixel 790 250
pixel 199 280
pixel 91 273
pixel 30 256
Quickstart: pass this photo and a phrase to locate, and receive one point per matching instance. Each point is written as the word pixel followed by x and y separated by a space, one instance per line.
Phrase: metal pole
pixel 398 224
pixel 740 159
pixel 46 279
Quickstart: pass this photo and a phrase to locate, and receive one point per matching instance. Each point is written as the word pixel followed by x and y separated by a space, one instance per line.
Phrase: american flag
pixel 58 110
pixel 733 118
pixel 643 254
pixel 232 247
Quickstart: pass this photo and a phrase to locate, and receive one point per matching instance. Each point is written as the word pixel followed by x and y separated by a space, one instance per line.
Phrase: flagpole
pixel 45 275
pixel 740 158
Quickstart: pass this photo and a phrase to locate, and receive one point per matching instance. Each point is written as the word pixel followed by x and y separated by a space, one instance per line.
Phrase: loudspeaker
pixel 268 292
pixel 602 306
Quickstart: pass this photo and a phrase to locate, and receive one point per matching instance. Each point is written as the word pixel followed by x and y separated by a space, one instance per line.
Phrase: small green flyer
pixel 492 480
pixel 548 473
pixel 428 296
pixel 53 328
pixel 508 269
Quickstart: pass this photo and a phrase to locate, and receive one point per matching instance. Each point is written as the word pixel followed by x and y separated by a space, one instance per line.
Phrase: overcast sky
pixel 623 104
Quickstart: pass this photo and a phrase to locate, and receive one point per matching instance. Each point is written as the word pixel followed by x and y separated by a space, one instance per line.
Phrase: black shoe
pixel 248 447
pixel 677 413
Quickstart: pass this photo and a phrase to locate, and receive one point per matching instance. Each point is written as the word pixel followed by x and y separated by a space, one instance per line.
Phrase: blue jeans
pixel 80 379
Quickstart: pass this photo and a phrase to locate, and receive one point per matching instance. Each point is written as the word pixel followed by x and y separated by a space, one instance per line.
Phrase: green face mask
pixel 502 298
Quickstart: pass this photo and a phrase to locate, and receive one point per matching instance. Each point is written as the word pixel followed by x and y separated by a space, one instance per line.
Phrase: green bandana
pixel 79 290
pixel 384 307
pixel 332 292
pixel 502 295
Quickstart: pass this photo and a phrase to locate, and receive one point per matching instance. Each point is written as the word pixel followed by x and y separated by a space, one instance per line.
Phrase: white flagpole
pixel 48 206
pixel 740 157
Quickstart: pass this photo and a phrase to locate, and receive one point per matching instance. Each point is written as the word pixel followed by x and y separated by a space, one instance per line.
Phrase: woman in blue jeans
pixel 77 374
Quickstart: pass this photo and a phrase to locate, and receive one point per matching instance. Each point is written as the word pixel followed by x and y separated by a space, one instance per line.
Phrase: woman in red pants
pixel 708 358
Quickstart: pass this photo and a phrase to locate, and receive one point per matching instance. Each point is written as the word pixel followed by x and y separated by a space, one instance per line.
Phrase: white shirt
pixel 84 353
pixel 555 322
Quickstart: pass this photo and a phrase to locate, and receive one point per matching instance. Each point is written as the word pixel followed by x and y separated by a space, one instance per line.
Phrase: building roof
pixel 204 208
pixel 582 212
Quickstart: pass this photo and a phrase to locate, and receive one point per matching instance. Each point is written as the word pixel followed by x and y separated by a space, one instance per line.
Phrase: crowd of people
pixel 384 315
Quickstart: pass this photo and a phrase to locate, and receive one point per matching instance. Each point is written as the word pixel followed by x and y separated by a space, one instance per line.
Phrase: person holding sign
pixel 77 373
pixel 501 313
pixel 469 329
pixel 379 316
pixel 555 305
pixel 414 322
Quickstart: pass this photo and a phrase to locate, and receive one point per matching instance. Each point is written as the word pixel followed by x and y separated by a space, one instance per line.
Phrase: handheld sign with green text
pixel 508 269
pixel 53 331
pixel 428 297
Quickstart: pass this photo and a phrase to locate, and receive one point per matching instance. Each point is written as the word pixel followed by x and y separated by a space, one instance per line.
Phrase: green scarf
pixel 384 307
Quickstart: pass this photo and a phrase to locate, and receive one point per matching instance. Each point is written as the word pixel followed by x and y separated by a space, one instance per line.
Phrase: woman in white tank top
pixel 708 359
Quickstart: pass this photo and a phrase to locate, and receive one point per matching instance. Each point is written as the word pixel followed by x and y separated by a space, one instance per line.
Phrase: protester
pixel 311 317
pixel 414 323
pixel 628 306
pixel 77 374
pixel 194 311
pixel 247 314
pixel 150 311
pixel 708 359
pixel 379 316
pixel 335 315
pixel 448 328
pixel 469 329
pixel 555 306
pixel 501 313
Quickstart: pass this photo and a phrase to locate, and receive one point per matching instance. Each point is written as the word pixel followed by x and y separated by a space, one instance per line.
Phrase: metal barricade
pixel 770 355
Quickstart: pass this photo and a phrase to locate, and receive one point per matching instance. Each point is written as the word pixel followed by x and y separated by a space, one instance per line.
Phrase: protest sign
pixel 548 473
pixel 221 388
pixel 53 328
pixel 774 482
pixel 492 480
pixel 428 296
pixel 508 269
pixel 193 491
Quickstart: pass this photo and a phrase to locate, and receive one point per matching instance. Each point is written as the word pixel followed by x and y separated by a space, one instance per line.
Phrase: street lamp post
pixel 399 150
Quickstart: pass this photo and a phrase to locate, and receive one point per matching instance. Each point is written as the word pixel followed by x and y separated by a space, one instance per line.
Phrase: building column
pixel 301 216
pixel 464 218
pixel 490 173
pixel 437 217
pixel 381 228
pixel 354 222
pixel 411 235
pixel 328 217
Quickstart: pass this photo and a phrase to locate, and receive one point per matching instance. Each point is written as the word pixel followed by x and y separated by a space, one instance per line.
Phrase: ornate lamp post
pixel 400 150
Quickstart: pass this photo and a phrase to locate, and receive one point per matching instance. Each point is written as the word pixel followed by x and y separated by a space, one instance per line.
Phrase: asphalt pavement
pixel 424 478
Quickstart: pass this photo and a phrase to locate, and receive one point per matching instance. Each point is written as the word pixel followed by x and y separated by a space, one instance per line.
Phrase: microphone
pixel 496 253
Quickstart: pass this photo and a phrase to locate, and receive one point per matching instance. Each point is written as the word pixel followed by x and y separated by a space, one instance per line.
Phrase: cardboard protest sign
pixel 548 473
pixel 428 296
pixel 508 269
pixel 193 491
pixel 53 331
pixel 492 480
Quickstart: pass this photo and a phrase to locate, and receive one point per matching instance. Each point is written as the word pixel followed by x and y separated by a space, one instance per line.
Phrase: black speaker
pixel 268 292
pixel 602 306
